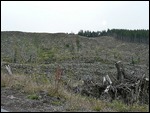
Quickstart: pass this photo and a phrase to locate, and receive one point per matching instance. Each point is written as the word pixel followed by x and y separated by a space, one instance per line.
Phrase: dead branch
pixel 9 70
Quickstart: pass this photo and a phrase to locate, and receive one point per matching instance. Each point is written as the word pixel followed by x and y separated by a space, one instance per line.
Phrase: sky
pixel 73 16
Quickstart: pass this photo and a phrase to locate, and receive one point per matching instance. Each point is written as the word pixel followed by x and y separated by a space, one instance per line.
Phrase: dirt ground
pixel 15 101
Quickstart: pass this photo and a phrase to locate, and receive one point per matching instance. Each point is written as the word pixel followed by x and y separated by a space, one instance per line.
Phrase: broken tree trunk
pixel 120 71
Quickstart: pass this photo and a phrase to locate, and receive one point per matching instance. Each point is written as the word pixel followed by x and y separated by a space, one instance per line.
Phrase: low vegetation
pixel 72 102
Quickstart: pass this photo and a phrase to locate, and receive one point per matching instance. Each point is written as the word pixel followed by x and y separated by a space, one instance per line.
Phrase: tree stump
pixel 120 71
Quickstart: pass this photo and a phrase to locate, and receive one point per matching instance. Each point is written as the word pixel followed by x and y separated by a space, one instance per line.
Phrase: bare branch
pixel 8 69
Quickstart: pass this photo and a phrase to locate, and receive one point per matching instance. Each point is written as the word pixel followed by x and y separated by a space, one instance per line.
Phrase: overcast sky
pixel 72 16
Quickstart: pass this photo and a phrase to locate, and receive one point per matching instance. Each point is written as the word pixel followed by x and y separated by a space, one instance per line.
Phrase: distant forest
pixel 140 36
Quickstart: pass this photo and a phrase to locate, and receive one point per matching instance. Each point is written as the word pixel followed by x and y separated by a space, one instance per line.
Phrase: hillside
pixel 79 55
pixel 80 58
pixel 21 47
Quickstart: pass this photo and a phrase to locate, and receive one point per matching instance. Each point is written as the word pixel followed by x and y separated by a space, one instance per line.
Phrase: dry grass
pixel 29 84
pixel 75 102
pixel 121 107
pixel 14 81
pixel 82 103
pixel 20 82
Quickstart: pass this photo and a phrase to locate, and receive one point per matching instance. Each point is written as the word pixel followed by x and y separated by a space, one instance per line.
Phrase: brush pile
pixel 126 87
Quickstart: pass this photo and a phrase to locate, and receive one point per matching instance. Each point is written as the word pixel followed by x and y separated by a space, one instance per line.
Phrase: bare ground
pixel 16 101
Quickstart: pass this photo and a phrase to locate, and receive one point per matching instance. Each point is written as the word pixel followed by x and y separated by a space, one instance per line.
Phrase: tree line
pixel 140 36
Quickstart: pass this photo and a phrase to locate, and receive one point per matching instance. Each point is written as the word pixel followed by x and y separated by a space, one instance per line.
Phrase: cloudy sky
pixel 72 16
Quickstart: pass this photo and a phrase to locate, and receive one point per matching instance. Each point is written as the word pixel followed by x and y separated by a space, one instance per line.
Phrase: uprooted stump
pixel 128 88
pixel 131 88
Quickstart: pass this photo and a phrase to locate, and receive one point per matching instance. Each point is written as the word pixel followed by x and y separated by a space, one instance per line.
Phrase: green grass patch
pixel 56 103
pixel 33 97
pixel 97 108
